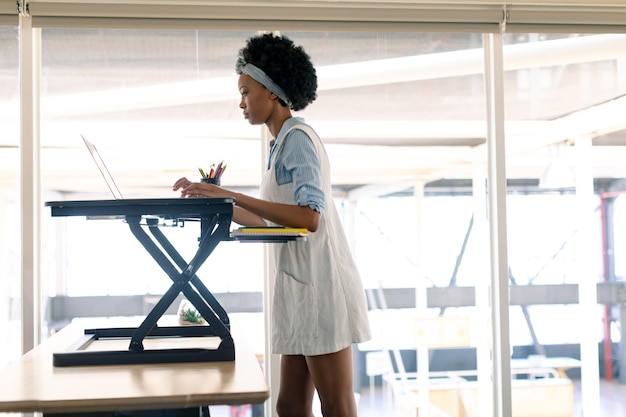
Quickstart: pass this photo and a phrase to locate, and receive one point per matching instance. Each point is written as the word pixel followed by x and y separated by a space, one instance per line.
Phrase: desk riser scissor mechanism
pixel 215 217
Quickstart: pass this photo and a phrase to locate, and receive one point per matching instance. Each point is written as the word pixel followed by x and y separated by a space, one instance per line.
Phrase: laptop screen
pixel 103 169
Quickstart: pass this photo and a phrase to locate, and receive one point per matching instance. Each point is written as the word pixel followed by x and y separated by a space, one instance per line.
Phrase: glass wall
pixel 556 229
pixel 10 269
pixel 119 89
pixel 147 99
pixel 161 103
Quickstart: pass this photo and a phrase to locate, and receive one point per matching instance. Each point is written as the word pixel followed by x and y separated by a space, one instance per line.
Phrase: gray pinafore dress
pixel 319 303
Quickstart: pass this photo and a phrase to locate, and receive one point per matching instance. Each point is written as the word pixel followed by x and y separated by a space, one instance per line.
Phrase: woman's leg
pixel 295 397
pixel 333 377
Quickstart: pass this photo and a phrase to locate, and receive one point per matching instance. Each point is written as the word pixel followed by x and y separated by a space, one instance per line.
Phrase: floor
pixel 612 401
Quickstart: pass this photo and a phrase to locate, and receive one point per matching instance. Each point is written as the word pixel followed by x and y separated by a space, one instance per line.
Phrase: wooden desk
pixel 33 384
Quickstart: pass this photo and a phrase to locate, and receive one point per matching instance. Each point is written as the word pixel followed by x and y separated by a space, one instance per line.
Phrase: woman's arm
pixel 245 218
pixel 252 211
pixel 284 214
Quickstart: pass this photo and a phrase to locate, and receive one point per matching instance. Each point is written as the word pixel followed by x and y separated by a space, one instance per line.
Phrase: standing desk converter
pixel 148 215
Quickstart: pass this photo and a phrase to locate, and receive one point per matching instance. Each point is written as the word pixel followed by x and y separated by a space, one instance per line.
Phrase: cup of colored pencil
pixel 214 175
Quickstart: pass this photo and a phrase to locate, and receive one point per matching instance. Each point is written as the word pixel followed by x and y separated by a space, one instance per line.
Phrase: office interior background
pixel 477 151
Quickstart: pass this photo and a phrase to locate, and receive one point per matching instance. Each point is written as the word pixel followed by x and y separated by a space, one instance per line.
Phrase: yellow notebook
pixel 270 231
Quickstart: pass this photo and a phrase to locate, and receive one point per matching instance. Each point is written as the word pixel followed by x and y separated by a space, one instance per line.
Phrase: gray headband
pixel 261 77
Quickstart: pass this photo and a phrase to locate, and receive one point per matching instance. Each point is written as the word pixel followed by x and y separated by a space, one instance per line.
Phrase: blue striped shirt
pixel 297 163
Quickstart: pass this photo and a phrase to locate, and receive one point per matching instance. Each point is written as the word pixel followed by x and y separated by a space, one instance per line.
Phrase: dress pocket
pixel 295 310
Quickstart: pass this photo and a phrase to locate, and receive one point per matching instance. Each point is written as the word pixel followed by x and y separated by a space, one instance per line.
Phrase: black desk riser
pixel 215 216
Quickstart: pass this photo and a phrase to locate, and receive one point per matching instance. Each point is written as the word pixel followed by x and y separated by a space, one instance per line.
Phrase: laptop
pixel 108 178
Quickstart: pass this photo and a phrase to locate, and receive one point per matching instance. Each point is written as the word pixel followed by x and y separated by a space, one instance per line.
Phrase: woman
pixel 319 308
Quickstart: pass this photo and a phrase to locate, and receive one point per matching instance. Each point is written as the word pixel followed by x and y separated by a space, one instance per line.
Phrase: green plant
pixel 190 315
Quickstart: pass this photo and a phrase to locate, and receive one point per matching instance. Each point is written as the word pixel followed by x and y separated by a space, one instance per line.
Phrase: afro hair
pixel 287 64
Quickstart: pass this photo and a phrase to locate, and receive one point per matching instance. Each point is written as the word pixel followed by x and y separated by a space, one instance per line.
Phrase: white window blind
pixel 8 12
pixel 486 16
pixel 575 18
pixel 275 15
